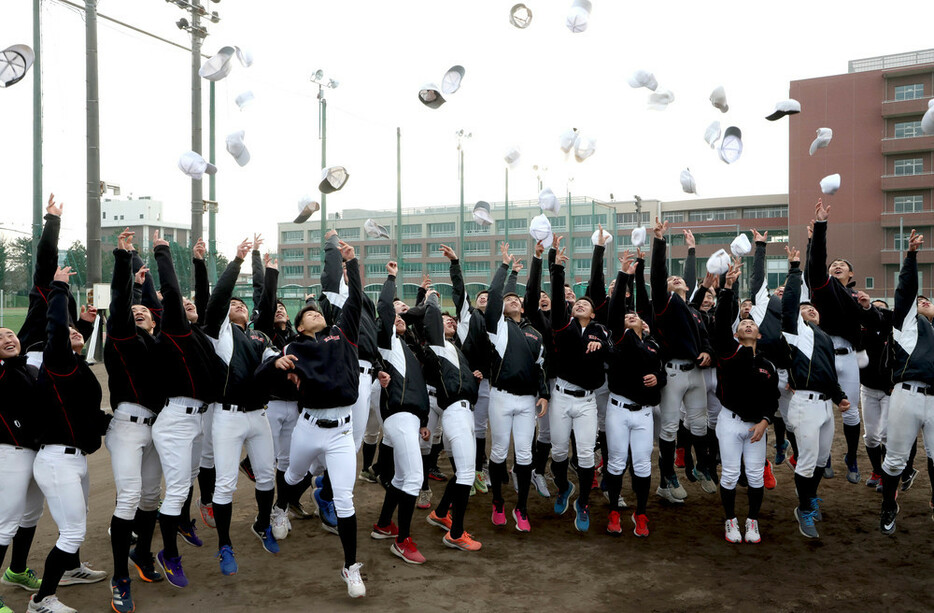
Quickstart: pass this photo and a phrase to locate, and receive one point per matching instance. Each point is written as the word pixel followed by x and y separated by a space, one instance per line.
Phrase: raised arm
pixel 723 341
pixel 58 355
pixel 533 288
pixel 202 285
pixel 494 303
pixel 258 271
pixel 385 309
pixel 791 299
pixel 659 275
pixel 120 323
pixel 690 262
pixel 616 317
pixel 219 302
pixel 174 319
pixel 559 306
pixel 353 307
pixel 434 323
pixel 458 291
pixel 596 285
pixel 265 318
pixel 817 255
pixel 906 295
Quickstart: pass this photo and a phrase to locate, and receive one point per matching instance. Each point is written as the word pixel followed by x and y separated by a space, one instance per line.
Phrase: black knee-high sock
pixel 433 454
pixel 168 525
pixel 447 498
pixel 666 458
pixel 755 501
pixel 498 476
pixel 347 530
pixel 206 479
pixel 120 530
pixel 263 509
pixel 713 451
pixel 910 464
pixel 144 524
pixel 185 516
pixel 326 492
pixel 889 490
pixel 700 447
pixel 222 516
pixel 585 482
pixel 794 443
pixel 3 549
pixel 390 501
pixel 931 476
pixel 459 509
pixel 728 499
pixel 298 490
pixel 369 452
pixel 560 472
pixel 683 436
pixel 426 464
pixel 383 460
pixel 614 485
pixel 56 564
pixel 280 489
pixel 22 542
pixel 406 510
pixel 778 424
pixel 524 478
pixel 542 451
pixel 803 485
pixel 851 434
pixel 816 481
pixel 572 449
pixel 875 459
pixel 641 485
pixel 481 453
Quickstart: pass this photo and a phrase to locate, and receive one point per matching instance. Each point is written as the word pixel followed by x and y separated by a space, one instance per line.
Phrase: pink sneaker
pixel 499 515
pixel 522 521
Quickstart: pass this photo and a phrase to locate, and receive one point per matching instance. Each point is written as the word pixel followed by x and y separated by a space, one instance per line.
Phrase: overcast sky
pixel 522 88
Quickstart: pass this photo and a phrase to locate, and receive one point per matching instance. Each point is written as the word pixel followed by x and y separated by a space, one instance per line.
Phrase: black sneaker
pixel 146 567
pixel 435 473
pixel 887 521
pixel 909 479
pixel 247 469
pixel 122 600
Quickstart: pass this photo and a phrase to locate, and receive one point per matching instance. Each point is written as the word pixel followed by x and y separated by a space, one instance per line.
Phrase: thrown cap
pixel 718 263
pixel 195 166
pixel 659 100
pixel 718 99
pixel 245 56
pixel 374 230
pixel 643 78
pixel 237 149
pixel 584 147
pixel 333 179
pixel 451 82
pixel 540 230
pixel 306 208
pixel 512 156
pixel 688 184
pixel 15 62
pixel 595 237
pixel 731 147
pixel 830 184
pixel 548 201
pixel 785 107
pixel 481 213
pixel 638 236
pixel 219 65
pixel 579 16
pixel 430 96
pixel 823 139
pixel 244 99
pixel 567 139
pixel 740 246
pixel 712 135
pixel 927 122
pixel 520 16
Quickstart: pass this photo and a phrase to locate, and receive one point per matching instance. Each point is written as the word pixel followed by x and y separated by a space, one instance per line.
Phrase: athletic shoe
pixel 768 477
pixel 28 580
pixel 792 462
pixel 266 538
pixel 473 490
pixel 852 471
pixel 706 482
pixel 522 521
pixel 325 510
pixel 806 524
pixel 408 551
pixel 49 604
pixel 172 569
pixel 207 514
pixel 480 483
pixel 815 509
pixel 731 531
pixel 297 511
pixel 887 521
pixel 228 561
pixel 368 475
pixel 146 568
pixel 541 485
pixel 874 480
pixel 247 469
pixel 354 581
pixel 908 481
pixel 679 457
pixel 82 574
pixel 499 515
pixel 641 523
pixel 665 493
pixel 828 470
pixel 465 543
pixel 692 474
pixel 190 536
pixel 752 531
pixel 676 489
pixel 613 526
pixel 581 516
pixel 122 601
pixel 442 522
pixel 384 532
pixel 621 502
pixel 319 481
pixel 435 473
pixel 281 526
pixel 780 453
pixel 424 500
pixel 4 608
pixel 563 499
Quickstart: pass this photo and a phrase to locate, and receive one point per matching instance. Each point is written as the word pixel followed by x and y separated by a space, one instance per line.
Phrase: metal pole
pixel 93 147
pixel 323 106
pixel 506 207
pixel 399 256
pixel 197 191
pixel 460 151
pixel 212 185
pixel 36 135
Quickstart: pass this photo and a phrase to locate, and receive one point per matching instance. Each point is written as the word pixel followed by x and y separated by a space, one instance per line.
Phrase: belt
pixel 813 395
pixel 235 408
pixel 68 450
pixel 682 367
pixel 927 390
pixel 190 410
pixel 631 406
pixel 575 393
pixel 842 351
pixel 136 419
pixel 367 371
pixel 326 423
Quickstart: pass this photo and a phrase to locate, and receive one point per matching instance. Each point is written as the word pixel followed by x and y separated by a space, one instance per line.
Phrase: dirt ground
pixel 684 565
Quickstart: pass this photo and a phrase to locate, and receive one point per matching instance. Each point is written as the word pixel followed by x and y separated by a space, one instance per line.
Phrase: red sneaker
pixel 641 523
pixel 613 526
pixel 522 521
pixel 792 462
pixel 408 551
pixel 679 457
pixel 768 477
pixel 384 532
pixel 499 515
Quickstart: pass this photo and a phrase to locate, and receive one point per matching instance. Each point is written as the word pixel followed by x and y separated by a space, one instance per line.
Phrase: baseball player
pixel 324 363
pixel 72 426
pixel 596 290
pixel 747 386
pixel 813 377
pixel 911 407
pixel 875 391
pixel 580 349
pixel 134 382
pixel 517 379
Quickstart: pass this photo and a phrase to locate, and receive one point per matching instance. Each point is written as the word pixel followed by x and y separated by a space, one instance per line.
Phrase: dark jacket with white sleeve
pixel 446 366
pixel 912 332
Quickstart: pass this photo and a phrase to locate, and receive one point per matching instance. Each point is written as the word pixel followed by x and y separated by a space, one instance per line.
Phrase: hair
pixel 745 300
pixel 482 292
pixel 883 301
pixel 301 313
pixel 240 300
pixel 922 298
pixel 845 261
pixel 587 299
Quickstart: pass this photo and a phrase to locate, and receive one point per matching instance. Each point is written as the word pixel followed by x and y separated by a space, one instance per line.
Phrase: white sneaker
pixel 49 604
pixel 207 514
pixel 621 502
pixel 351 576
pixel 666 494
pixel 281 526
pixel 82 574
pixel 541 485
pixel 752 531
pixel 731 531
pixel 424 499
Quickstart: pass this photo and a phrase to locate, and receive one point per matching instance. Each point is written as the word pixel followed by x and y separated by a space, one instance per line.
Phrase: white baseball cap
pixel 659 100
pixel 520 16
pixel 927 121
pixel 584 147
pixel 481 213
pixel 718 263
pixel 712 135
pixel 823 139
pixel 688 184
pixel 731 147
pixel 237 149
pixel 567 139
pixel 785 107
pixel 195 166
pixel 15 62
pixel 643 78
pixel 638 236
pixel 451 82
pixel 219 65
pixel 548 201
pixel 306 208
pixel 430 96
pixel 540 230
pixel 595 237
pixel 244 99
pixel 718 99
pixel 740 245
pixel 830 184
pixel 512 156
pixel 245 56
pixel 333 179
pixel 579 16
pixel 374 230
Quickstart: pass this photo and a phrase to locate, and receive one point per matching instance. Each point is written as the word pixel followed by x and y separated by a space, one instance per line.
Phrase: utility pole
pixel 93 153
pixel 36 133
pixel 197 191
pixel 399 254
pixel 318 79
pixel 212 196
pixel 461 137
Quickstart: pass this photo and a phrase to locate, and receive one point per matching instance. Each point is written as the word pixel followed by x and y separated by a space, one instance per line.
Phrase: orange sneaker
pixel 768 477
pixel 408 551
pixel 613 526
pixel 641 523
pixel 464 543
pixel 442 522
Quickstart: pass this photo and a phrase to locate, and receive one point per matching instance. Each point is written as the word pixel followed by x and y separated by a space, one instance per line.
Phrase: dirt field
pixel 684 565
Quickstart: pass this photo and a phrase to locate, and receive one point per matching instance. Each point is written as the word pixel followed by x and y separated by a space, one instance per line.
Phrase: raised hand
pixel 257 241
pixel 732 274
pixel 517 265
pixel 820 211
pixel 124 240
pixel 347 251
pixel 709 280
pixel 392 268
pixel 140 277
pixel 640 254
pixel 273 263
pixel 660 229
pixel 330 233
pixel 626 261
pixel 915 241
pixel 562 257
pixel 426 281
pixel 601 237
pixel 63 274
pixel 689 238
pixel 793 254
pixel 556 244
pixel 759 238
pixel 539 249
pixel 200 248
pixel 52 208
pixel 243 249
pixel 158 241
pixel 448 252
pixel 504 252
pixel 810 229
pixel 88 313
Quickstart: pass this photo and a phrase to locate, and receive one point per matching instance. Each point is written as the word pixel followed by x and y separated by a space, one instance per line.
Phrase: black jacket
pixel 912 333
pixel 678 327
pixel 879 349
pixel 571 361
pixel 20 414
pixel 446 367
pixel 767 313
pixel 596 286
pixel 471 329
pixel 540 320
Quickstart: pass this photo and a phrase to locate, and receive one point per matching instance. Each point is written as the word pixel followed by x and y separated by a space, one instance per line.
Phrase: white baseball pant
pixel 688 388
pixel 713 403
pixel 361 408
pixel 847 377
pixel 602 395
pixel 627 429
pixel 514 416
pixel 282 416
pixel 16 481
pixel 231 431
pixel 544 422
pixel 434 423
pixel 205 441
pixel 135 462
pixel 331 447
pixel 568 413
pixel 481 410
pixel 402 429
pixel 813 427
pixel 875 406
pixel 374 420
pixel 737 448
pixel 63 478
pixel 459 441
pixel 909 412
pixel 784 399
pixel 173 435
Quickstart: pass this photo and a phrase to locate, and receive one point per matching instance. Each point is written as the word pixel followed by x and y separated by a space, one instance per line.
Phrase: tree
pixel 3 262
pixel 76 256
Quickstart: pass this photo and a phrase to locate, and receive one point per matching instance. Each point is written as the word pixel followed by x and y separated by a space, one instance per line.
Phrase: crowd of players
pixel 591 383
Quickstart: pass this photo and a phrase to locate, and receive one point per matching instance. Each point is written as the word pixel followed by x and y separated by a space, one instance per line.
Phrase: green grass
pixel 13 318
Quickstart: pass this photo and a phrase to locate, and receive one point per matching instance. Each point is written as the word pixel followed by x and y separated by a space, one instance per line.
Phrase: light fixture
pixel 215 17
pixel 182 24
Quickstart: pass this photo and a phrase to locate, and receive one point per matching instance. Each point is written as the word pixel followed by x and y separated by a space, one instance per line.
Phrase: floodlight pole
pixel 506 209
pixel 197 190
pixel 36 134
pixel 212 196
pixel 399 256
pixel 323 107
pixel 93 147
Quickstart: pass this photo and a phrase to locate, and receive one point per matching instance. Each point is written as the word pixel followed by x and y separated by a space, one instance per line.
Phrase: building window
pixel 104 215
pixel 292 254
pixel 713 215
pixel 477 248
pixel 582 266
pixel 588 222
pixel 558 223
pixel 475 268
pixel 908 129
pixel 140 215
pixel 870 283
pixel 293 272
pixel 582 244
pixel 314 253
pixel 913 166
pixel 293 236
pixel 714 238
pixel 766 212
pixel 442 229
pixel 378 251
pixel 314 270
pixel 776 269
pixel 412 249
pixel 412 269
pixel 514 225
pixel 909 204
pixel 374 269
pixel 352 233
pixel 472 227
pixel 519 246
pixel 909 92
pixel 632 219
pixel 314 236
pixel 412 230
pixel 675 217
pixel 438 268
pixel 168 236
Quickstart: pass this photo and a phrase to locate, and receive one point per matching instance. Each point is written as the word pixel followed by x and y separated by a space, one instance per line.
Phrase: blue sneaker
pixel 561 502
pixel 806 524
pixel 190 535
pixel 582 519
pixel 815 508
pixel 319 481
pixel 326 510
pixel 122 600
pixel 780 453
pixel 269 541
pixel 227 560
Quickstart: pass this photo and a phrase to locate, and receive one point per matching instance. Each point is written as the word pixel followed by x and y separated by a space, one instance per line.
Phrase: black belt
pixel 327 423
pixel 146 421
pixel 814 396
pixel 681 367
pixel 927 390
pixel 368 371
pixel 632 406
pixel 841 351
pixel 189 410
pixel 574 393
pixel 69 450
pixel 236 408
